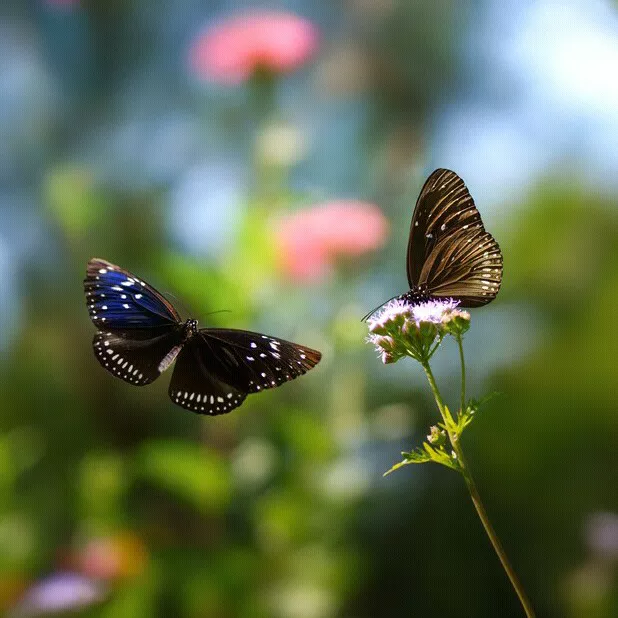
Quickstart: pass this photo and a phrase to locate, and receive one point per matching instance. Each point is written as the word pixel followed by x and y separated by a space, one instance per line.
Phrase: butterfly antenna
pixel 364 318
pixel 218 311
pixel 180 304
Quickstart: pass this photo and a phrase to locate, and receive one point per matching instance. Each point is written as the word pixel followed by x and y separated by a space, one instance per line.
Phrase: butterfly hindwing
pixel 449 251
pixel 137 357
pixel 118 299
pixel 196 387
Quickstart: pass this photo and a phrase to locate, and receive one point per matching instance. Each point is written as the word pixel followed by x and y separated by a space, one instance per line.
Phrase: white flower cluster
pixel 402 329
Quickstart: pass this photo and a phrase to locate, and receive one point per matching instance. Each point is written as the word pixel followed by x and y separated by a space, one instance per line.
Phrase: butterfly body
pixel 450 255
pixel 417 294
pixel 141 335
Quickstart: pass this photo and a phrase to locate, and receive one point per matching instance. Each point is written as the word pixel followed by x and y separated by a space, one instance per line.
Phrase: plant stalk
pixel 474 494
pixel 463 375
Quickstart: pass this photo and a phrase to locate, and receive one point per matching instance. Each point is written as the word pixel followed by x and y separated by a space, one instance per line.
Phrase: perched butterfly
pixel 450 255
pixel 141 334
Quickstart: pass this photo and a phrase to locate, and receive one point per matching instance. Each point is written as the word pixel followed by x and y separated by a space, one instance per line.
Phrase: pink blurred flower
pixel 233 49
pixel 309 241
pixel 116 557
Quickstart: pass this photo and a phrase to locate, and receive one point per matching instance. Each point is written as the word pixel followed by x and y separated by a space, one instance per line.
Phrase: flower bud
pixel 437 437
pixel 388 358
pixel 456 322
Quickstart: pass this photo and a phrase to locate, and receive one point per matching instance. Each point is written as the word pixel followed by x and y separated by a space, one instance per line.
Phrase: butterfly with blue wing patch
pixel 141 334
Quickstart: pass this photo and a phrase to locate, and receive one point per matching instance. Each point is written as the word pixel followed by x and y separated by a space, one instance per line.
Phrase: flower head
pixel 309 241
pixel 401 329
pixel 456 322
pixel 232 50
pixel 391 316
pixel 437 437
pixel 433 311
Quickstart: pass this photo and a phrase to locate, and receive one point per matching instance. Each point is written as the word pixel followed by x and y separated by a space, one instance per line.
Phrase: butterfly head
pixel 190 328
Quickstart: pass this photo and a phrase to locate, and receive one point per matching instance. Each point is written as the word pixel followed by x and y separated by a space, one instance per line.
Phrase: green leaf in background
pixel 219 583
pixel 192 472
pixel 205 289
pixel 283 518
pixel 20 449
pixel 103 483
pixel 253 263
pixel 73 200
pixel 138 597
pixel 307 436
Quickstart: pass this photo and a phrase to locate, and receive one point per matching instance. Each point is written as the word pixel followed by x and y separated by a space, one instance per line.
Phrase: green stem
pixel 474 494
pixel 463 375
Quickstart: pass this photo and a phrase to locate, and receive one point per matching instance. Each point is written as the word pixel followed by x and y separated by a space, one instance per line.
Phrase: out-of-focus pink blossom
pixel 309 241
pixel 232 50
pixel 115 557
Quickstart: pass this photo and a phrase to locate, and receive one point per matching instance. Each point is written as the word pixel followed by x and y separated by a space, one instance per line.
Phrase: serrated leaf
pixel 425 454
pixel 472 407
pixel 440 456
pixel 413 457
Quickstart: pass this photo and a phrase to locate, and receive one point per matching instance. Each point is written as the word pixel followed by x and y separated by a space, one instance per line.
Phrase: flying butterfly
pixel 450 255
pixel 141 334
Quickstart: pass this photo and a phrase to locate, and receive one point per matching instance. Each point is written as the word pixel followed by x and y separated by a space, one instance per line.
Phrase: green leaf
pixel 73 200
pixel 192 472
pixel 206 289
pixel 425 454
pixel 472 407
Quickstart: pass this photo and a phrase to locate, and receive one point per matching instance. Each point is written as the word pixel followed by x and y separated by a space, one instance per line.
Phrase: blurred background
pixel 265 159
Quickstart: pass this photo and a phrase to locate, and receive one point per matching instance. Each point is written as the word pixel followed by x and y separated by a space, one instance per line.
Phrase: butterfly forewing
pixel 256 362
pixel 449 251
pixel 138 358
pixel 118 299
pixel 236 362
